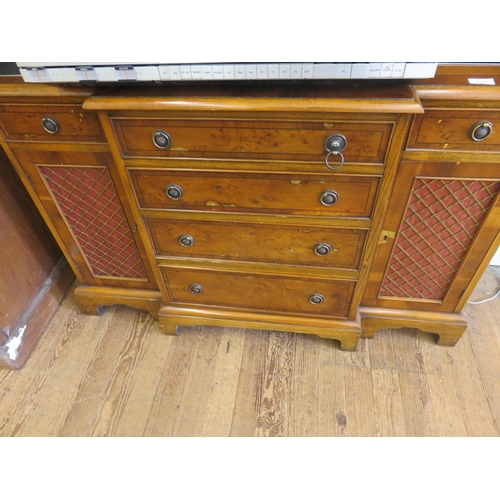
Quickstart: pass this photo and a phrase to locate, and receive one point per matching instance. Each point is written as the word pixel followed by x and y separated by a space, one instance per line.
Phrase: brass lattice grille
pixel 439 225
pixel 88 200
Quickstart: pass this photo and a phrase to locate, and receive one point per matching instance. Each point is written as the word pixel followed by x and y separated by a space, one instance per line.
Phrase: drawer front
pixel 66 123
pixel 366 142
pixel 451 130
pixel 241 241
pixel 257 193
pixel 261 292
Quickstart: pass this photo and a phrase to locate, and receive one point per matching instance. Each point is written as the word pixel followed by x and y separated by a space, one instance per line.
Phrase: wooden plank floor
pixel 117 375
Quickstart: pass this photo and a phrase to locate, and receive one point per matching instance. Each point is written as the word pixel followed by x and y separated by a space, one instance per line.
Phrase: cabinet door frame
pixel 484 242
pixel 30 162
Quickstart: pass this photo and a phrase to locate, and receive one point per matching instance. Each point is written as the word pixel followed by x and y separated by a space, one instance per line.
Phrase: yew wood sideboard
pixel 326 209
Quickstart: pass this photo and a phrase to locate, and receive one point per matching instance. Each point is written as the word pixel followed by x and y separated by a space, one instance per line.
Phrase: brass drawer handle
pixel 50 125
pixel 322 249
pixel 335 144
pixel 316 298
pixel 186 240
pixel 481 131
pixel 174 191
pixel 161 139
pixel 195 288
pixel 329 198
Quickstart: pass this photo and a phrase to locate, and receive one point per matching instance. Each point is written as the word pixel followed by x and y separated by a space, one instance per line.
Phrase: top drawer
pixel 367 142
pixel 50 123
pixel 453 129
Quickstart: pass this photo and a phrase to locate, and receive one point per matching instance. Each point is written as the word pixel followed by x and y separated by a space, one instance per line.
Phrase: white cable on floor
pixel 489 298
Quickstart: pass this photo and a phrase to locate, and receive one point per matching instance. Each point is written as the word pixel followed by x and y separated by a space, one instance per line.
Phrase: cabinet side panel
pixel 442 218
pixel 88 200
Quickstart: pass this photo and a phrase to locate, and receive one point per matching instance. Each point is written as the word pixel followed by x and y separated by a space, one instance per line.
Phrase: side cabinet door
pixel 443 218
pixel 80 198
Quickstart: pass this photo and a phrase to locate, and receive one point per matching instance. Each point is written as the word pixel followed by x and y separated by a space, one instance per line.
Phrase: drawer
pixel 261 292
pixel 451 130
pixel 69 123
pixel 257 140
pixel 256 192
pixel 243 241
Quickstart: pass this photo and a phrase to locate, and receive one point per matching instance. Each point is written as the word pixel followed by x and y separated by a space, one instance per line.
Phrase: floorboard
pixel 118 375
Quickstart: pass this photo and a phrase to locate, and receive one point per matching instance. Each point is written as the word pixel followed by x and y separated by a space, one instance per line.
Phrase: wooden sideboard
pixel 221 205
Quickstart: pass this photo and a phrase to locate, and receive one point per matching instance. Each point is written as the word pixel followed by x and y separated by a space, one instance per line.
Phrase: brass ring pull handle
pixel 161 139
pixel 329 198
pixel 195 288
pixel 50 125
pixel 481 131
pixel 174 192
pixel 316 298
pixel 341 160
pixel 322 249
pixel 186 240
pixel 335 144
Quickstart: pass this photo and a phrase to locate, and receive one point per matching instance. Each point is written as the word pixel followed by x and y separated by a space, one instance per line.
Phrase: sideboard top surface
pixel 452 82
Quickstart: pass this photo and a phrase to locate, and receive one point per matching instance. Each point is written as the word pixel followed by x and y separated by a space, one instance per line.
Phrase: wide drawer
pixel 452 130
pixel 62 123
pixel 254 192
pixel 244 241
pixel 367 142
pixel 261 292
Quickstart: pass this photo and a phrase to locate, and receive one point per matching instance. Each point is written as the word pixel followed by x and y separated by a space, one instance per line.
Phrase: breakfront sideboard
pixel 334 210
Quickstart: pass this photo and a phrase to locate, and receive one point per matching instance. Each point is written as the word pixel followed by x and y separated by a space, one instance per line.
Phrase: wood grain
pixel 332 404
pixel 446 406
pixel 277 98
pixel 24 123
pixel 473 396
pixel 96 376
pixel 239 241
pixel 55 389
pixel 262 193
pixel 117 375
pixel 19 383
pixel 246 412
pixel 449 129
pixel 252 140
pixel 99 371
pixel 218 419
pixel 199 380
pixel 273 399
pixel 145 382
pixel 164 409
pixel 360 412
pixel 303 413
pixel 382 353
pixel 387 403
pixel 485 348
pixel 114 403
pixel 418 408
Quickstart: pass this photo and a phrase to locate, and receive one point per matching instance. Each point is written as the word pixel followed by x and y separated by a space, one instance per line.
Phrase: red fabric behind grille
pixel 438 228
pixel 88 199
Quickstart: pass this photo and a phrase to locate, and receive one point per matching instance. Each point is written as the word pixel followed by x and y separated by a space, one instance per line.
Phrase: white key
pixel 228 70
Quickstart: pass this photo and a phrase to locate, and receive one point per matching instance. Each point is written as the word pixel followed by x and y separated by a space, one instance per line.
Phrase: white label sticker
pixel 481 81
pixel 38 75
pixel 126 73
pixel 86 73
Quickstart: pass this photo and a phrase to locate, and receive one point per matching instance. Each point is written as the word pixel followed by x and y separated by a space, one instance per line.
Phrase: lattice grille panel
pixel 88 199
pixel 438 228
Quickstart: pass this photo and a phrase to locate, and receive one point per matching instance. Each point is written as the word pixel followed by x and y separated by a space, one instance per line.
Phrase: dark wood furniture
pixel 214 204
